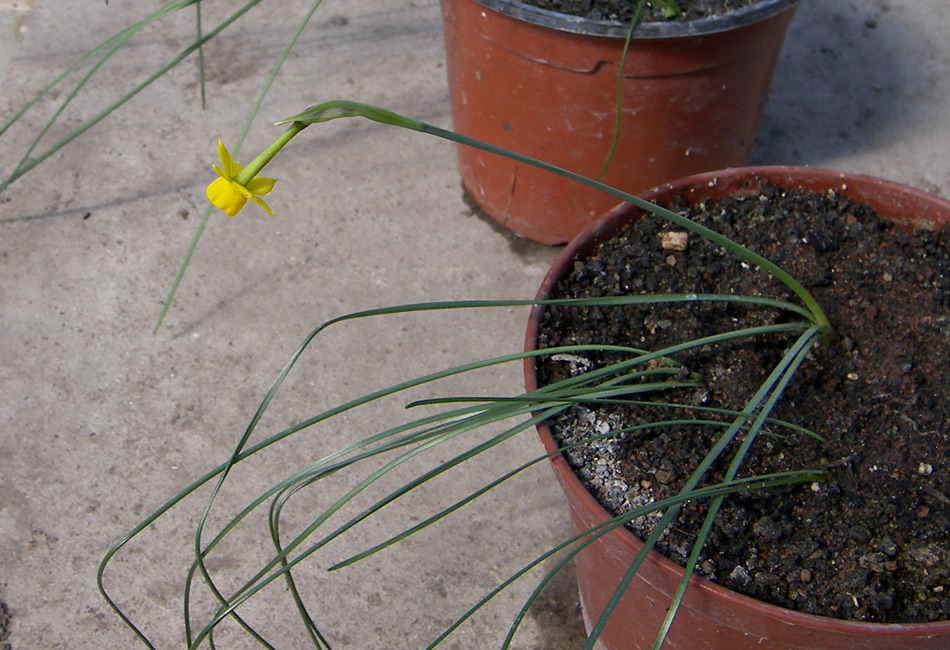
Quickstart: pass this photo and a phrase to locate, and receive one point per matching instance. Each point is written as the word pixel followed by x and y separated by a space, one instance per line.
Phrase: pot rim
pixel 853 185
pixel 741 17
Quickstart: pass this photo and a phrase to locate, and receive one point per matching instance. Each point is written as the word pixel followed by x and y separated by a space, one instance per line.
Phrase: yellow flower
pixel 230 195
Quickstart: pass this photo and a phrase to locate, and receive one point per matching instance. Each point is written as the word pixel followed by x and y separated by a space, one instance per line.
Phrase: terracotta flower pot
pixel 711 616
pixel 545 84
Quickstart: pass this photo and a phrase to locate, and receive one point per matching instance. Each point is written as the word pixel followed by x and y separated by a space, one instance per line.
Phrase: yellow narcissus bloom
pixel 228 193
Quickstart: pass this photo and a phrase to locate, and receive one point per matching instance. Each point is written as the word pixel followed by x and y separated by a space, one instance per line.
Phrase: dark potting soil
pixel 623 10
pixel 873 542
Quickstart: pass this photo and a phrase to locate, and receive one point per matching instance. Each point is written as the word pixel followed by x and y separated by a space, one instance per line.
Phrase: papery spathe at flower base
pixel 227 193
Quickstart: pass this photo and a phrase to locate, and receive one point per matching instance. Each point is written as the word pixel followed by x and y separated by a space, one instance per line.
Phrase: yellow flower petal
pixel 225 194
pixel 261 185
pixel 229 166
pixel 259 201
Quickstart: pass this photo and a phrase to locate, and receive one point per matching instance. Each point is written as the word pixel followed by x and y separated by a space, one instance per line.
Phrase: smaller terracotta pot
pixel 545 84
pixel 712 617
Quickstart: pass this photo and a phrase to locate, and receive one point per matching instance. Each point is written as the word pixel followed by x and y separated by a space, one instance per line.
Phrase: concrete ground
pixel 101 421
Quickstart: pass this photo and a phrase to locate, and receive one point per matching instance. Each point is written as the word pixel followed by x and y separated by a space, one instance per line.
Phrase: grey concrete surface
pixel 101 421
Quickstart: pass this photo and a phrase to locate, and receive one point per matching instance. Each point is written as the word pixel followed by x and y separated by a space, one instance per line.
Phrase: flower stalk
pixel 336 109
pixel 255 167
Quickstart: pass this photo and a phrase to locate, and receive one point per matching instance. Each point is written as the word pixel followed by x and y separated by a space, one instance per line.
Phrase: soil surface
pixel 873 542
pixel 623 10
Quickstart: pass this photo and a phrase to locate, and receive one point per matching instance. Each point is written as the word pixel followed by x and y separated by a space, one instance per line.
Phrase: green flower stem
pixel 255 166
pixel 336 109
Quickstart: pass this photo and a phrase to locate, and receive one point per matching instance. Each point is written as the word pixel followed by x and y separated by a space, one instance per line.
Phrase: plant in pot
pixel 854 561
pixel 563 82
pixel 771 343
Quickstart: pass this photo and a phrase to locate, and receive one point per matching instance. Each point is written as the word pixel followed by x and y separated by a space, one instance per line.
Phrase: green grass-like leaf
pixel 621 382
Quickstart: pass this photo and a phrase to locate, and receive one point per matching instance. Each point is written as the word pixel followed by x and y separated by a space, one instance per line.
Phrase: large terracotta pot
pixel 545 84
pixel 711 616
